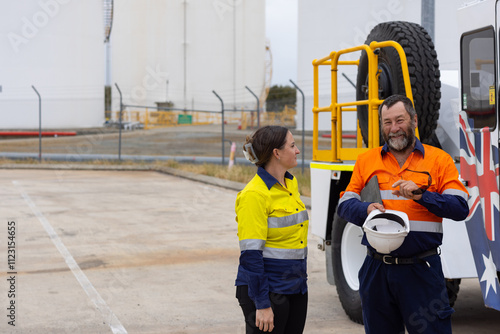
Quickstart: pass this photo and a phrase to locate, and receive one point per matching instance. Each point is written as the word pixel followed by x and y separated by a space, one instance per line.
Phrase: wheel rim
pixel 385 81
pixel 352 254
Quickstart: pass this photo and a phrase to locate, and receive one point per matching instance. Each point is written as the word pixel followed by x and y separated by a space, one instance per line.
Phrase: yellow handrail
pixel 337 152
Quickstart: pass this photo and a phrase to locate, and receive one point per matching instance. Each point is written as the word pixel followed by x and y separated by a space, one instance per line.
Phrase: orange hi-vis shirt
pixel 383 164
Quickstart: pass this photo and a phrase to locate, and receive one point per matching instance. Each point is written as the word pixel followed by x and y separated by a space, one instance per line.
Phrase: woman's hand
pixel 264 319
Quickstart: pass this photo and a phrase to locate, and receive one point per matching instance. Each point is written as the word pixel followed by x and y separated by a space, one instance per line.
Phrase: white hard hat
pixel 387 230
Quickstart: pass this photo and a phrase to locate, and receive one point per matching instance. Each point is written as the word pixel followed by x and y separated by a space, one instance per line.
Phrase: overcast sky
pixel 281 30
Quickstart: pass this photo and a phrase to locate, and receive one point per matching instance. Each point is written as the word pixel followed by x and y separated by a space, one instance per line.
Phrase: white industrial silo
pixel 180 51
pixel 57 46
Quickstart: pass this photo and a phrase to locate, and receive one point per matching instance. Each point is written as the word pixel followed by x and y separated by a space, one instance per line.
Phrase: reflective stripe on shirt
pixel 252 244
pixel 286 221
pixel 348 195
pixel 285 254
pixel 388 195
pixel 424 226
pixel 456 192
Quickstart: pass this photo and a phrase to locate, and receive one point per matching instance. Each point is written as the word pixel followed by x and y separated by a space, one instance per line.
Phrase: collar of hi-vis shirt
pixel 270 180
pixel 418 147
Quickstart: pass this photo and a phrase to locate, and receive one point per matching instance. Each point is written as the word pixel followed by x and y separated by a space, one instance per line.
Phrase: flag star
pixel 489 274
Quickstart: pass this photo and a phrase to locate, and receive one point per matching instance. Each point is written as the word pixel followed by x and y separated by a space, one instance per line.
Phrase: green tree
pixel 280 96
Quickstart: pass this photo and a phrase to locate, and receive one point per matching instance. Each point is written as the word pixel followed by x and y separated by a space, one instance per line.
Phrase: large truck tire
pixel 423 67
pixel 347 256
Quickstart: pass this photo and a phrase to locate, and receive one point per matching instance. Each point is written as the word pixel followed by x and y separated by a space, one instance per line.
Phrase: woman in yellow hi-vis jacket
pixel 272 221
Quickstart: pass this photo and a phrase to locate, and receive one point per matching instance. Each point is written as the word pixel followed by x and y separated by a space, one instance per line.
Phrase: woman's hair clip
pixel 250 153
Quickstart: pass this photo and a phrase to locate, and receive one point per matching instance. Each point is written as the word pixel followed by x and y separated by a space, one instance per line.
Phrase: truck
pixel 399 58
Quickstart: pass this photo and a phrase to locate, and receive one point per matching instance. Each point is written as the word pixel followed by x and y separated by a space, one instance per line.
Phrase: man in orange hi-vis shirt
pixel 406 287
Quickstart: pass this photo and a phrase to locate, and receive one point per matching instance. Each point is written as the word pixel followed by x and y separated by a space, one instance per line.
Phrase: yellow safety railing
pixel 337 152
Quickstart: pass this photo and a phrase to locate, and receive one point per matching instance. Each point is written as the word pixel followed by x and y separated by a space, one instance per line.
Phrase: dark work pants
pixel 289 312
pixel 397 296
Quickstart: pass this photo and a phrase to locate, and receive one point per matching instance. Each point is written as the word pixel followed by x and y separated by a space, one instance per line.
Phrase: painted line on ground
pixel 95 297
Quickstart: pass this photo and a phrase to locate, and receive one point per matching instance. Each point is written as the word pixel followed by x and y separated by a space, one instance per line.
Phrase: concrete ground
pixel 144 252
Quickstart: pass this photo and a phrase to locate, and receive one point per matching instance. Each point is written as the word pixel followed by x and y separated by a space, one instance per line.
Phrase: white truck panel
pixel 471 15
pixel 320 197
pixel 456 253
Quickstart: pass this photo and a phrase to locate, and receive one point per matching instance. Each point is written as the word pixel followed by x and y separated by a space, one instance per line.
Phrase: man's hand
pixel 406 189
pixel 264 319
pixel 374 206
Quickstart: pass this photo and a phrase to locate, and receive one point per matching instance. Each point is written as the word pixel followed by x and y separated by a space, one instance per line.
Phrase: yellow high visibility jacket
pixel 272 230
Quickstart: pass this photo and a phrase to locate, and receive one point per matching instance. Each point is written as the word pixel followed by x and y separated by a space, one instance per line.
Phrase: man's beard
pixel 401 144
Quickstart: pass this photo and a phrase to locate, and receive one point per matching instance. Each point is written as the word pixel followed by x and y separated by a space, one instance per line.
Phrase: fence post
pixel 39 124
pixel 222 111
pixel 120 124
pixel 303 123
pixel 258 106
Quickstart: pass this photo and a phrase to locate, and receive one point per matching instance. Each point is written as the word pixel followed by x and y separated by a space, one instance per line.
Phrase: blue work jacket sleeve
pixel 353 211
pixel 252 267
pixel 444 205
pixel 251 211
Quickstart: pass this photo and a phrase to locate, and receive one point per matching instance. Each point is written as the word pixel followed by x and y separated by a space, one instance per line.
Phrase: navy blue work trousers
pixel 411 295
pixel 290 312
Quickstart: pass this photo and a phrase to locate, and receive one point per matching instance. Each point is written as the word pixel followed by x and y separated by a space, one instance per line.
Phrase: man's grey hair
pixel 393 99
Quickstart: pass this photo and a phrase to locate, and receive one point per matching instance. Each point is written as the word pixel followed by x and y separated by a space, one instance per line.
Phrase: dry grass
pixel 238 173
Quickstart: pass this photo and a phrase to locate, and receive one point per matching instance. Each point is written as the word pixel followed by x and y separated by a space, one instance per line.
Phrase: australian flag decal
pixel 479 167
